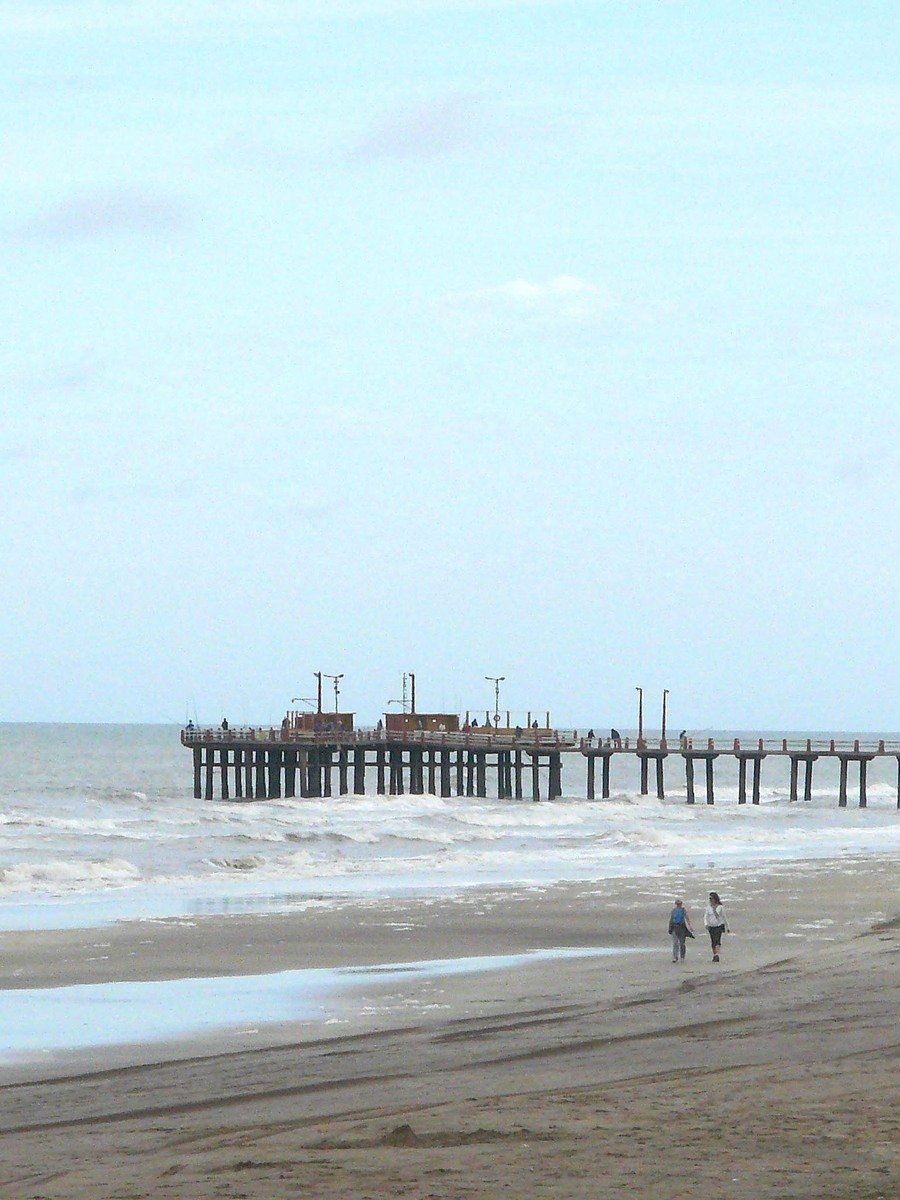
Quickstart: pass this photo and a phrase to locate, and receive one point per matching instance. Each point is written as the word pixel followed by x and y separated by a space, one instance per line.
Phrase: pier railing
pixel 475 738
pixel 562 739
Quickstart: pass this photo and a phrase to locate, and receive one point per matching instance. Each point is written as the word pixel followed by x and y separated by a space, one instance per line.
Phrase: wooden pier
pixel 257 764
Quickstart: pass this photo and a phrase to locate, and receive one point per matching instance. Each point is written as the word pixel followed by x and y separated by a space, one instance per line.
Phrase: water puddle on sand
pixel 40 1020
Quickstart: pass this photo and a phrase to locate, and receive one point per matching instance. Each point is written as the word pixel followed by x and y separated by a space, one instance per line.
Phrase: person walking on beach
pixel 715 922
pixel 680 929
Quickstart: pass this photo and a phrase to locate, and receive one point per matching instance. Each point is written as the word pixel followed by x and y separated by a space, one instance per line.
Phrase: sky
pixel 557 341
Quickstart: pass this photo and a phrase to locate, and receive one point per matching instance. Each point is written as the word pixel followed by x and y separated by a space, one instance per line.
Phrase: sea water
pixel 99 823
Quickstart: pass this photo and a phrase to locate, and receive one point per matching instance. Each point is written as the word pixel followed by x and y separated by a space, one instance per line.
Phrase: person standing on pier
pixel 680 930
pixel 716 924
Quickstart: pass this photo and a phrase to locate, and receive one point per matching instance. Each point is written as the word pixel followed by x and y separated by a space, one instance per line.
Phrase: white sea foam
pixel 58 875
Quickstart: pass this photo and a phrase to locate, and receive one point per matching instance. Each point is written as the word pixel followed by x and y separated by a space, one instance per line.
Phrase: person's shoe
pixel 715 958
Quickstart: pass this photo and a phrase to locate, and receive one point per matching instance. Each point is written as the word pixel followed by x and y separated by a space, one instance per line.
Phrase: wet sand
pixel 773 1073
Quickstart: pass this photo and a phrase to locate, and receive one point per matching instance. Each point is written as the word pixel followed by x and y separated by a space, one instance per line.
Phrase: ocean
pixel 98 823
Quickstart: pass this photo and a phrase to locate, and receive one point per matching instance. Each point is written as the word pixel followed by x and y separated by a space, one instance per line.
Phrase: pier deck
pixel 258 763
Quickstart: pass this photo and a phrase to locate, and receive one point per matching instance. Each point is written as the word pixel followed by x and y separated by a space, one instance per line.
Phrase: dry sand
pixel 772 1074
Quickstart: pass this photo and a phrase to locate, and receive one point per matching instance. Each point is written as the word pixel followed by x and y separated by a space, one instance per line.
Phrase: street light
pixel 405 701
pixel 318 675
pixel 640 692
pixel 412 684
pixel 496 680
pixel 337 690
pixel 665 698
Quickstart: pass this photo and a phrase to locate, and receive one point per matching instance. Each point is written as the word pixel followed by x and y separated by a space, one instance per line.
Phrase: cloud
pixel 455 122
pixel 101 213
pixel 563 300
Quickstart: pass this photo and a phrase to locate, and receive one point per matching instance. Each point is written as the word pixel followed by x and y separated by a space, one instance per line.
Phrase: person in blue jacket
pixel 680 930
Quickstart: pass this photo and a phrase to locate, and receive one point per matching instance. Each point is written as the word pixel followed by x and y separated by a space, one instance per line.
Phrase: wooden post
pixel 401 788
pixel 689 778
pixel 660 778
pixel 315 771
pixel 501 779
pixel 794 767
pixel 238 773
pixel 198 772
pixel 432 771
pixel 359 771
pixel 807 780
pixel 470 773
pixel 326 758
pixel 420 771
pixel 604 789
pixel 459 772
pixel 223 772
pixel 445 773
pixel 742 780
pixel 396 755
pixel 757 771
pixel 535 777
pixel 303 772
pixel 259 763
pixel 481 773
pixel 591 764
pixel 555 786
pixel 519 777
pixel 274 774
pixel 842 785
pixel 644 785
pixel 210 757
pixel 863 766
pixel 710 796
pixel 379 770
pixel 248 773
pixel 289 757
pixel 342 771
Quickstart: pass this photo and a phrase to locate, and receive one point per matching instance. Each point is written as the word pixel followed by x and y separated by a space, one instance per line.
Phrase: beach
pixel 772 1073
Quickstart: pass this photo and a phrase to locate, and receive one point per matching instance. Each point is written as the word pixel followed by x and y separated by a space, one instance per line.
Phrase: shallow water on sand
pixel 37 1020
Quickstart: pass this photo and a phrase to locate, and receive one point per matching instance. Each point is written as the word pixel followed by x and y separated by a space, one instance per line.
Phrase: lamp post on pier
pixel 496 680
pixel 318 675
pixel 640 692
pixel 665 698
pixel 337 690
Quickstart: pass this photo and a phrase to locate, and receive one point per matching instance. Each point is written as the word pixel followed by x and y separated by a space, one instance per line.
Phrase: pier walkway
pixel 259 763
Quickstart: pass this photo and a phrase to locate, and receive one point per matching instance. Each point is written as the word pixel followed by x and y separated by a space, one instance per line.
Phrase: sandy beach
pixel 773 1073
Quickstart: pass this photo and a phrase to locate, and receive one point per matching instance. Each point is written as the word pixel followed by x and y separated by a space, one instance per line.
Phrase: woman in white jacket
pixel 716 924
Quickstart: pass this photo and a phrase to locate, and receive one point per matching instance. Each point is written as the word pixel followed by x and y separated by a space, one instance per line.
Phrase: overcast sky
pixel 549 340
